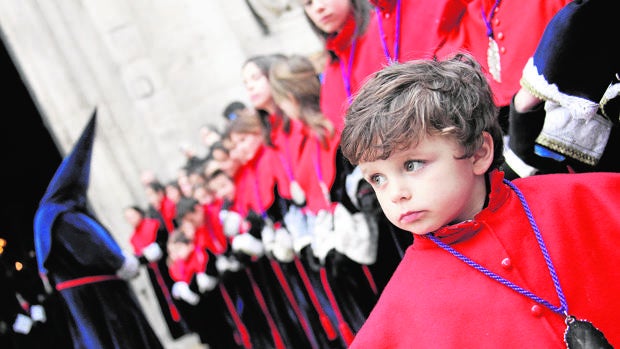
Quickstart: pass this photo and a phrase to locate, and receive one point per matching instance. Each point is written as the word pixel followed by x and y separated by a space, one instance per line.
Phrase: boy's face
pixel 426 186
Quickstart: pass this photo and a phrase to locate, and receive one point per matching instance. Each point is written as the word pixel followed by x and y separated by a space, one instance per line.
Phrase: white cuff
pixel 231 222
pixel 205 282
pixel 152 252
pixel 37 313
pixel 248 244
pixel 283 246
pixel 130 267
pixel 180 290
pixel 22 324
pixel 352 182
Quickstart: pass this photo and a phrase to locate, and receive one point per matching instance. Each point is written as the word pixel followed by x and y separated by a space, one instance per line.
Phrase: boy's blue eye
pixel 377 179
pixel 413 165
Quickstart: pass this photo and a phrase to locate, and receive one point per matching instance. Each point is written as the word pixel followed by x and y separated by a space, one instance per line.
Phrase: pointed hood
pixel 70 182
pixel 65 192
pixel 577 72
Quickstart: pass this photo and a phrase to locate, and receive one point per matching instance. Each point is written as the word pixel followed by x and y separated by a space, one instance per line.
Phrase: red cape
pixel 144 234
pixel 435 300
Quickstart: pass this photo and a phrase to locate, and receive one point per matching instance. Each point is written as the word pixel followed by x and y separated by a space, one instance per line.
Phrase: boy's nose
pixel 400 193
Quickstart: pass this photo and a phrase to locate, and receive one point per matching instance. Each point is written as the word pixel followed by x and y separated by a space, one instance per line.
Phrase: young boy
pixel 493 264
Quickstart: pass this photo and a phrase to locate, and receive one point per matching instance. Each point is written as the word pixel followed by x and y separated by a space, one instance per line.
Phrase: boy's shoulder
pixel 580 184
pixel 585 178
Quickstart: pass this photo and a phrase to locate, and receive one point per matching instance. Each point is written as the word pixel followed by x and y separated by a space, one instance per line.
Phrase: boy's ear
pixel 483 157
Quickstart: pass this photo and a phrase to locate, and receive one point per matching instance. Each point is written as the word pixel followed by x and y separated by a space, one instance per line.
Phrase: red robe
pixel 255 182
pixel 185 269
pixel 423 27
pixel 317 162
pixel 149 230
pixel 435 300
pixel 287 149
pixel 168 210
pixel 210 235
pixel 350 51
pixel 144 234
pixel 517 28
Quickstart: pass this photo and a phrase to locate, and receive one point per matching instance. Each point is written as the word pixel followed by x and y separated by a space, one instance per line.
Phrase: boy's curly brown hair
pixel 403 102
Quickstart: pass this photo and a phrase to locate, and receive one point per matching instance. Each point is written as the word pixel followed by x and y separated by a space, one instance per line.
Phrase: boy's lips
pixel 409 217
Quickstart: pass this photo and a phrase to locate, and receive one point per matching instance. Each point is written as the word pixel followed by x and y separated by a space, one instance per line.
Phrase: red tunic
pixel 435 300
pixel 287 149
pixel 517 28
pixel 168 212
pixel 423 27
pixel 144 234
pixel 185 269
pixel 351 53
pixel 255 182
pixel 317 164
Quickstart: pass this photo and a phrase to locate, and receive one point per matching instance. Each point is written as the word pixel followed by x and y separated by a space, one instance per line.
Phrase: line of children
pixel 306 247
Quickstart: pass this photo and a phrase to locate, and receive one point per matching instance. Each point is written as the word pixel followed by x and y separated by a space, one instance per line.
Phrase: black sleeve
pixel 523 129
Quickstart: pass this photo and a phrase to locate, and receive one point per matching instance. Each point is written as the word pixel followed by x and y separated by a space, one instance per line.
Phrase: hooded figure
pixel 574 70
pixel 83 262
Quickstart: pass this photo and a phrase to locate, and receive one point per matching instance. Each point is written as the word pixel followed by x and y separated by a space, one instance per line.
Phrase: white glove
pixel 355 238
pixel 180 290
pixel 152 252
pixel 37 313
pixel 22 324
pixel 268 237
pixel 231 222
pixel 352 182
pixel 296 222
pixel 205 282
pixel 283 246
pixel 323 235
pixel 221 264
pixel 130 267
pixel 344 226
pixel 361 244
pixel 224 264
pixel 234 264
pixel 298 195
pixel 248 244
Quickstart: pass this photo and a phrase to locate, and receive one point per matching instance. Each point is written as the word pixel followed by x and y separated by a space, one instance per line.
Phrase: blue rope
pixel 563 308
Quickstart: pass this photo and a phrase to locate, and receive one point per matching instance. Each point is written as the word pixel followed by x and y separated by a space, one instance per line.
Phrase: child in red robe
pixel 149 239
pixel 493 263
